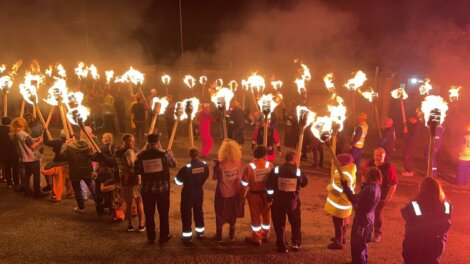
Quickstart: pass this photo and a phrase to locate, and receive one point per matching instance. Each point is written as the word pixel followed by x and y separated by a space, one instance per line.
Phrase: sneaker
pixel 295 247
pixel 78 210
pixel 377 238
pixel 335 246
pixel 407 174
pixel 130 228
pixel 187 239
pixel 142 229
pixel 164 239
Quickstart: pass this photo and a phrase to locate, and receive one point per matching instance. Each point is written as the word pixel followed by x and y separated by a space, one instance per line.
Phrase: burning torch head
pixel 434 109
pixel 29 93
pixel 188 109
pixel 322 128
pixel 221 98
pixel 203 80
pixel 305 116
pixel 267 104
pixel 5 83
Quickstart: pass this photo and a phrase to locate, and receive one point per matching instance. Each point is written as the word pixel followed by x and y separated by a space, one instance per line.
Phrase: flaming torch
pixel 401 95
pixel 3 67
pixel 166 81
pixel 425 87
pixel 203 82
pixel 255 81
pixel 233 85
pixel 337 116
pixel 82 72
pixel 159 106
pixel 454 93
pixel 267 104
pixel 179 112
pixel 94 75
pixel 353 84
pixel 29 93
pixel 109 77
pixel 5 84
pixel 221 100
pixel 190 82
pixel 77 114
pixel 305 117
pixel 57 95
pixel 191 106
pixel 328 80
pixel 132 77
pixel 434 109
pixel 372 96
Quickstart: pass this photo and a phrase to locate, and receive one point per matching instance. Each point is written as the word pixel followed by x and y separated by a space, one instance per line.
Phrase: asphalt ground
pixel 38 231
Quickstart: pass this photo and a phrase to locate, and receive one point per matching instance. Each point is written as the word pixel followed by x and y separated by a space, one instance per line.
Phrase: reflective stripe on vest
pixel 267 165
pixel 338 206
pixel 339 189
pixel 276 170
pixel 178 182
pixel 416 208
pixel 298 173
pixel 252 165
pixel 188 165
pixel 244 183
pixel 447 207
pixel 360 142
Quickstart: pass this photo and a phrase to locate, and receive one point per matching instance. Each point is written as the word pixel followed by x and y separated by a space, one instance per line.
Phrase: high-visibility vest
pixel 361 141
pixel 337 203
pixel 418 212
pixel 465 150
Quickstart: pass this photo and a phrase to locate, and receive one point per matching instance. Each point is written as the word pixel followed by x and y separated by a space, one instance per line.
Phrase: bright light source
pixel 414 80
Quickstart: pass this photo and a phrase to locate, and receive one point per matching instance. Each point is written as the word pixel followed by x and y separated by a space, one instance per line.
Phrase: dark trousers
pixel 357 155
pixel 103 199
pixel 279 210
pixel 317 150
pixel 11 171
pixel 237 135
pixel 162 202
pixel 378 218
pixel 109 122
pixel 188 207
pixel 122 123
pixel 31 168
pixel 408 158
pixel 359 239
pixel 140 131
pixel 341 227
pixel 78 191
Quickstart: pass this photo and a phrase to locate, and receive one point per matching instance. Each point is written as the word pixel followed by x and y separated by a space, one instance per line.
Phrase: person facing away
pixel 358 141
pixel 283 187
pixel 192 177
pixel 388 139
pixel 427 222
pixel 364 204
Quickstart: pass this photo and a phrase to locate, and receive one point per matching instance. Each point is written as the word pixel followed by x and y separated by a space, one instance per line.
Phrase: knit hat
pixel 153 138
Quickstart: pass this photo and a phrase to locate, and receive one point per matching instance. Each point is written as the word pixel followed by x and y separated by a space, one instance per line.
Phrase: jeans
pixel 78 192
pixel 34 169
pixel 162 202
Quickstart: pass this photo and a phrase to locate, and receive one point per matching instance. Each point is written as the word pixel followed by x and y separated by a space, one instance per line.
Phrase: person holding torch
pixel 358 141
pixel 266 135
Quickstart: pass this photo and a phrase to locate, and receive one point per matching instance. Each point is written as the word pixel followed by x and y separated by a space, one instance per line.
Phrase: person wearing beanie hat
pixel 337 203
pixel 153 165
pixel 358 141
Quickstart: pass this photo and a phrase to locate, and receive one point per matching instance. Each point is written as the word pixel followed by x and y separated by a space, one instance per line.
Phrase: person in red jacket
pixel 205 120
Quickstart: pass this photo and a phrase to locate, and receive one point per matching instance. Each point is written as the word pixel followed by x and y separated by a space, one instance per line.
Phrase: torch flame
pixel 219 83
pixel 356 82
pixel 57 93
pixel 338 113
pixel 48 71
pixel 369 95
pixel 300 86
pixel 29 93
pixel 15 68
pixel 131 76
pixel 399 93
pixel 256 81
pixel 322 128
pixel 61 71
pixel 109 76
pixel 277 85
pixel 76 111
pixel 203 80
pixel 189 81
pixel 328 79
pixel 454 93
pixel 305 72
pixel 5 83
pixel 233 85
pixel 425 87
pixel 163 104
pixel 181 106
pixel 432 103
pixel 94 72
pixel 166 79
pixel 222 97
pixel 267 104
pixel 3 67
pixel 81 71
pixel 305 116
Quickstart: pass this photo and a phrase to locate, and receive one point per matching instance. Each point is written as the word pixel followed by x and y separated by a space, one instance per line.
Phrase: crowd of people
pixel 124 180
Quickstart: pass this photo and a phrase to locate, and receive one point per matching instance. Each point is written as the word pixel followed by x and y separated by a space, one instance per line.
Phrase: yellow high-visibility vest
pixel 360 143
pixel 337 203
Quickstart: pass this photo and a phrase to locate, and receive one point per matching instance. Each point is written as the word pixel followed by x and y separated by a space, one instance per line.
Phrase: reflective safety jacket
pixel 284 183
pixel 192 176
pixel 359 135
pixel 337 203
pixel 256 174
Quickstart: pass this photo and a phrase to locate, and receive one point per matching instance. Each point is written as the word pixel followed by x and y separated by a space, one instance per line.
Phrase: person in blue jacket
pixel 364 204
pixel 427 222
pixel 192 177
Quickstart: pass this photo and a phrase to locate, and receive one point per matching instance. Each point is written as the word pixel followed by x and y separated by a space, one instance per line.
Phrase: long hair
pixel 230 151
pixel 430 192
pixel 16 125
